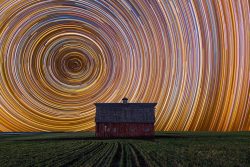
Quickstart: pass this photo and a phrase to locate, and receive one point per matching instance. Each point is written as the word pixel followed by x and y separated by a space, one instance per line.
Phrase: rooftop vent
pixel 125 100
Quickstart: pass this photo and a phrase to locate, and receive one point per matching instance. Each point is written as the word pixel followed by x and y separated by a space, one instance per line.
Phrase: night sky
pixel 59 57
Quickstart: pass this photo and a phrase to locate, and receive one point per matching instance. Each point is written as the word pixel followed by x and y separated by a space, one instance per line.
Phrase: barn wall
pixel 124 129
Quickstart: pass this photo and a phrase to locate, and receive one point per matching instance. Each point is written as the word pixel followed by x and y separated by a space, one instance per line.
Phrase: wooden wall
pixel 124 129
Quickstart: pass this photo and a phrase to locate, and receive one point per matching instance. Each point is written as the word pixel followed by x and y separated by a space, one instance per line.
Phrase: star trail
pixel 58 58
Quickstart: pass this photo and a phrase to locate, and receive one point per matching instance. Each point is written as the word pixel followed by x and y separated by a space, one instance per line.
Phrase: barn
pixel 125 119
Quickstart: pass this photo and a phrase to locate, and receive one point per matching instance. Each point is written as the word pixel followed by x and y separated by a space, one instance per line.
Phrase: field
pixel 166 149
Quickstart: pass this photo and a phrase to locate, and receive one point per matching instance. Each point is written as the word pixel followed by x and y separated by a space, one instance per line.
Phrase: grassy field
pixel 166 149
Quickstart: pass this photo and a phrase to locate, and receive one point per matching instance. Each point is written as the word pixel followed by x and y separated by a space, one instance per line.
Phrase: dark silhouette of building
pixel 125 119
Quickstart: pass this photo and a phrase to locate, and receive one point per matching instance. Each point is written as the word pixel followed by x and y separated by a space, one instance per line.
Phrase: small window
pixel 146 130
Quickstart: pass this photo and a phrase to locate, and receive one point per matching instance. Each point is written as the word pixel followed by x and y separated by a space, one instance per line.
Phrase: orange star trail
pixel 59 57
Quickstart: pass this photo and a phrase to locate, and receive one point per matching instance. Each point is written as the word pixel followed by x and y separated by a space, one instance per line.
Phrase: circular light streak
pixel 58 58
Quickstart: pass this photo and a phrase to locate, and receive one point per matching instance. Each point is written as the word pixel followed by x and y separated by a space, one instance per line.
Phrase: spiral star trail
pixel 58 58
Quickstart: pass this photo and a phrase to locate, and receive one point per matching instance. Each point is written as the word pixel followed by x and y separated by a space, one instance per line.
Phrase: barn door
pixel 105 130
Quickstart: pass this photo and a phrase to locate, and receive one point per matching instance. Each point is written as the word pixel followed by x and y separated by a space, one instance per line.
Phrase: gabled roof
pixel 129 112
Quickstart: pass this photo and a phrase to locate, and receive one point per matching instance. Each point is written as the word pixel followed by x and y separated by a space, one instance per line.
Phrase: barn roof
pixel 129 112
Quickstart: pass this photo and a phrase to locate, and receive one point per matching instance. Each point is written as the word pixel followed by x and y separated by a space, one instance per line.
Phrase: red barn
pixel 125 119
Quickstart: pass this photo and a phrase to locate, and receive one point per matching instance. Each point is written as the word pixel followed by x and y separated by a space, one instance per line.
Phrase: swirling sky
pixel 59 57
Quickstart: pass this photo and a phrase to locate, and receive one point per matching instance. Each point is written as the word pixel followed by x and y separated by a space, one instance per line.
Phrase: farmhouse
pixel 125 119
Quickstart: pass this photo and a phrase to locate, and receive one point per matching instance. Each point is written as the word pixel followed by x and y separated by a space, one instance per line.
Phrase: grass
pixel 166 149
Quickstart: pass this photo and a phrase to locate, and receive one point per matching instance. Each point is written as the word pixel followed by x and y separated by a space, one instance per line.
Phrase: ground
pixel 166 149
